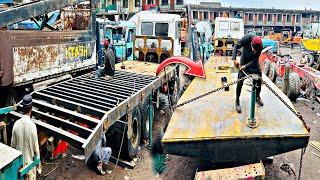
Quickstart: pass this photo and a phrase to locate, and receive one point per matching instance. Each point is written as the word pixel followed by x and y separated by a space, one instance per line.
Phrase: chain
pixel 285 103
pixel 272 90
pixel 210 92
pixel 303 150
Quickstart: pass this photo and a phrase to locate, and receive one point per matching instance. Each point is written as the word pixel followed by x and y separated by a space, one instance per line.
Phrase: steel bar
pixel 78 95
pixel 33 9
pixel 80 101
pixel 71 115
pixel 116 97
pixel 126 81
pixel 107 101
pixel 115 84
pixel 70 104
pixel 137 75
pixel 106 88
pixel 74 140
pixel 58 122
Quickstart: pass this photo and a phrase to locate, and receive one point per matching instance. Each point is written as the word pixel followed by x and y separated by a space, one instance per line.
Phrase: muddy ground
pixel 184 168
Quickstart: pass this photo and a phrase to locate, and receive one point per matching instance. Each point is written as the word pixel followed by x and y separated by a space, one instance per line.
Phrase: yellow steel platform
pixel 210 128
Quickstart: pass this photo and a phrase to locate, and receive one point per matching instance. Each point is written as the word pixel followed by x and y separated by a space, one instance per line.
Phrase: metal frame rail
pixel 61 109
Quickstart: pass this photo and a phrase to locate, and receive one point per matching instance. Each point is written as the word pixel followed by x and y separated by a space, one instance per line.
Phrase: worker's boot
pixel 259 101
pixel 238 107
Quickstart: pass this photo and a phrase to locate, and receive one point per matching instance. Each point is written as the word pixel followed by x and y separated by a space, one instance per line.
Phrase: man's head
pixel 256 44
pixel 27 104
pixel 106 44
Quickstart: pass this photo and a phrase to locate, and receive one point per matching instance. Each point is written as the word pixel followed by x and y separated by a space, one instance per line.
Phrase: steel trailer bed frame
pixel 97 103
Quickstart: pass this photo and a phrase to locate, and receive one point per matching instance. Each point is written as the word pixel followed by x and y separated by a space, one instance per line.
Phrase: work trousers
pixel 100 156
pixel 240 83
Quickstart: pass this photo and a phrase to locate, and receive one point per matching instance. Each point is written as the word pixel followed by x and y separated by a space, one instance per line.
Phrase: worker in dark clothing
pixel 109 61
pixel 100 156
pixel 249 63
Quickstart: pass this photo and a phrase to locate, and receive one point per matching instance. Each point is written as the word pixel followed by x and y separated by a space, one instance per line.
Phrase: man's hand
pixel 236 64
pixel 242 68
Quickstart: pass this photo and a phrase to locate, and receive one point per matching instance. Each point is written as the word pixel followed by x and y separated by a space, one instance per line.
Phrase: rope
pixel 51 169
pixel 124 130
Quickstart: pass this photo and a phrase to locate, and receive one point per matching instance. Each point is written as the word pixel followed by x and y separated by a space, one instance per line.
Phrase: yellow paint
pixel 311 44
pixel 131 4
pixel 214 116
pixel 76 51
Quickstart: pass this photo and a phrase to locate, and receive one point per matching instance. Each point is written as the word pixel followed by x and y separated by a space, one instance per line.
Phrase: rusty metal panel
pixel 41 55
pixel 250 171
pixel 77 19
pixel 32 9
pixel 6 63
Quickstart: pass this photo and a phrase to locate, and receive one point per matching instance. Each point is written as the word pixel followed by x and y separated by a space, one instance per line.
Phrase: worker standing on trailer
pixel 109 61
pixel 100 156
pixel 249 63
pixel 25 138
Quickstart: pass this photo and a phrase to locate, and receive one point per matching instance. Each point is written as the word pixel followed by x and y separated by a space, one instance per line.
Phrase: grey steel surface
pixel 97 103
pixel 8 154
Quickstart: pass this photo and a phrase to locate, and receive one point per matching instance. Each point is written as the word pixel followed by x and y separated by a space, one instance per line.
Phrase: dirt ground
pixel 185 168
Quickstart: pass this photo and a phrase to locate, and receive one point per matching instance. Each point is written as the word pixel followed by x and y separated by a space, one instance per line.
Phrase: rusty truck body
pixel 79 109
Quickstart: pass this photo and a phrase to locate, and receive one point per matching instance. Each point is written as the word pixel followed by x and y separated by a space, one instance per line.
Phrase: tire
pixel 266 67
pixel 130 146
pixel 310 59
pixel 145 118
pixel 294 86
pixel 272 72
pixel 174 90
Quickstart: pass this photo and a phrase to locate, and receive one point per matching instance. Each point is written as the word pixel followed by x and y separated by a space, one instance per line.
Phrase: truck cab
pixel 158 37
pixel 121 34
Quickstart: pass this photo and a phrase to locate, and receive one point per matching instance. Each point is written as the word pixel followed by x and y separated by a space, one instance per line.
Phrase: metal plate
pixel 210 127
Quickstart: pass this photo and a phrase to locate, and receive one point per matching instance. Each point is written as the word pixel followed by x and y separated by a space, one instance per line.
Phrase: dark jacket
pixel 248 58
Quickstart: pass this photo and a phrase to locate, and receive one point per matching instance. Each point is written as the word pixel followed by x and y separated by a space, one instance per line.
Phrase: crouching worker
pixel 109 63
pixel 100 156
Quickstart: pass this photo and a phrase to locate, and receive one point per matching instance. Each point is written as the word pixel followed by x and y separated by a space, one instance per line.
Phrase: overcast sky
pixel 282 4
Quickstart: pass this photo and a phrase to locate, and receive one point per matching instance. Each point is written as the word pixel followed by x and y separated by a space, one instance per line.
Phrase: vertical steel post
pixel 253 102
pixel 286 79
pixel 150 121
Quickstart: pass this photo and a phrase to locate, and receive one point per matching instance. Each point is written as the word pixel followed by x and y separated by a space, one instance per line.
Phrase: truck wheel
pixel 294 86
pixel 130 146
pixel 272 72
pixel 310 59
pixel 266 67
pixel 145 118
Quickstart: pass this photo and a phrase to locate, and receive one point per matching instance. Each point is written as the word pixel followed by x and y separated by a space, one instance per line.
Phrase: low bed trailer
pixel 80 109
pixel 213 130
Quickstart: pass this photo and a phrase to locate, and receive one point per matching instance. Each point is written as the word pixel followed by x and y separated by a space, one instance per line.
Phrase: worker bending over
pixel 249 63
pixel 25 138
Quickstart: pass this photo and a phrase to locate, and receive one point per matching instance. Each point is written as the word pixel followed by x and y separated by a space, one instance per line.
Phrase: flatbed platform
pixel 79 109
pixel 210 128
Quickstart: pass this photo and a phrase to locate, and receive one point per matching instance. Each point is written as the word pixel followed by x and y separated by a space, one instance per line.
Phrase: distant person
pixel 25 138
pixel 109 61
pixel 249 63
pixel 304 59
pixel 100 156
